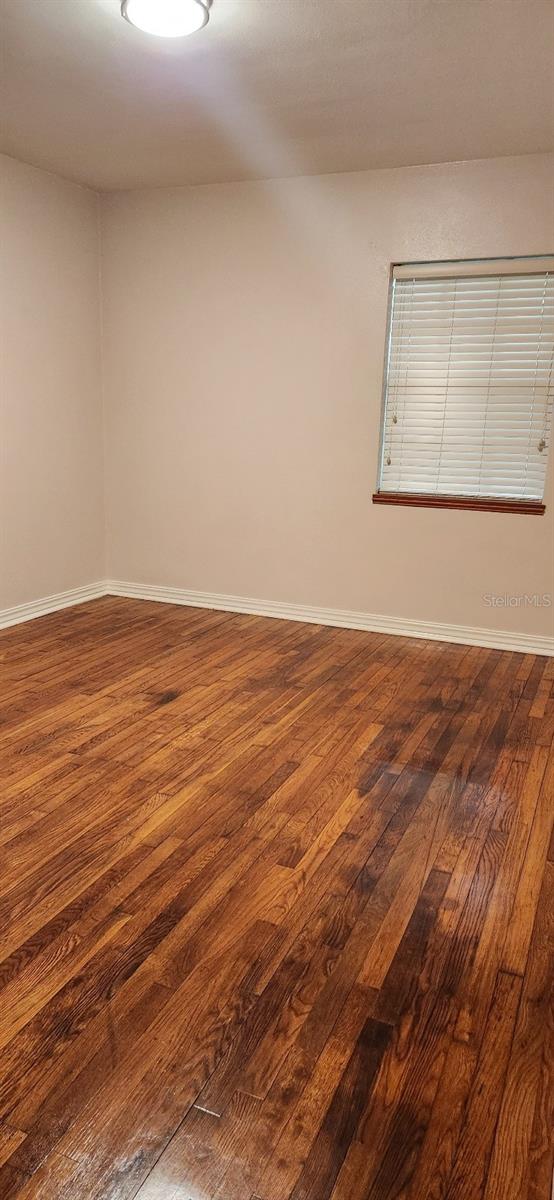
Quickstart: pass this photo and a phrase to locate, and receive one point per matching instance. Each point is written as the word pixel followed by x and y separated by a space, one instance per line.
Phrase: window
pixel 469 385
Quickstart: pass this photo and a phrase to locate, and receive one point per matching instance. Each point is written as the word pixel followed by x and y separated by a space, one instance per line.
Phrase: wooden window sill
pixel 415 500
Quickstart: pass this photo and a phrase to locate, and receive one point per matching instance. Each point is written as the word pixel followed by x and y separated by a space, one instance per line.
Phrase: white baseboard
pixel 466 635
pixel 50 604
pixel 495 639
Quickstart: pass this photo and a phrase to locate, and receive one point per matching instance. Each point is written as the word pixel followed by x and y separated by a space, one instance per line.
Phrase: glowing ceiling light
pixel 166 18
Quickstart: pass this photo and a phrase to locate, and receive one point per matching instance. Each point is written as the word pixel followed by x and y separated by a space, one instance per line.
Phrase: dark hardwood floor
pixel 276 912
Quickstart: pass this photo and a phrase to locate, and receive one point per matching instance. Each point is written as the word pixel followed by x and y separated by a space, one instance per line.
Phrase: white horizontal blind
pixel 469 387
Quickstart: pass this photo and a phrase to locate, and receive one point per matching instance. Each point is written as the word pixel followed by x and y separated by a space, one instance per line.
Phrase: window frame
pixel 446 499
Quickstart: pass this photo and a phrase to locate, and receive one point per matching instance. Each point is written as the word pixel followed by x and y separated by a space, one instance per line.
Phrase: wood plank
pixel 468 1174
pixel 10 1139
pixel 530 1076
pixel 340 1122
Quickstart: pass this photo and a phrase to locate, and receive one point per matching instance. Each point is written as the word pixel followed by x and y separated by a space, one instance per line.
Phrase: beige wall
pixel 244 336
pixel 243 344
pixel 51 476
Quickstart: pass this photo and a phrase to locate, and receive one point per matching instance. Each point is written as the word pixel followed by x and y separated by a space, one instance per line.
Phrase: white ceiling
pixel 273 87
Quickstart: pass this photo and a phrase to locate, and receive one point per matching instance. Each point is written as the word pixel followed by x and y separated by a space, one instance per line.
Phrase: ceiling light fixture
pixel 166 18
